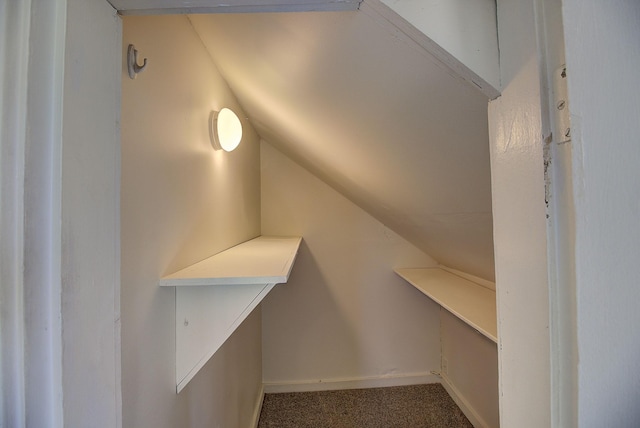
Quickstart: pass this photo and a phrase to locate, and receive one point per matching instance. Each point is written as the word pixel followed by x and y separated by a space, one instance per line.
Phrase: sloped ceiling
pixel 356 102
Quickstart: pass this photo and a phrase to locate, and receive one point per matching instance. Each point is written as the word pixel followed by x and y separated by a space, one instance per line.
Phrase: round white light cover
pixel 226 129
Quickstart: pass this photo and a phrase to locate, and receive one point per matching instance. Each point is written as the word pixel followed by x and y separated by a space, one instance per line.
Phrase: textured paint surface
pixel 519 214
pixel 351 99
pixel 31 64
pixel 90 216
pixel 181 202
pixel 343 314
pixel 603 59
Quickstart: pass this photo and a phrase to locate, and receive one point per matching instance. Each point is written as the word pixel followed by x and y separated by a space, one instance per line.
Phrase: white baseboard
pixel 258 408
pixel 351 383
pixel 464 405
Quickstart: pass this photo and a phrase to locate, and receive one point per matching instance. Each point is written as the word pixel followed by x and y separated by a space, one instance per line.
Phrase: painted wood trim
pixel 155 7
pixel 14 328
pixel 258 407
pixel 377 9
pixel 472 303
pixel 263 260
pixel 467 29
pixel 351 383
pixel 476 420
pixel 89 168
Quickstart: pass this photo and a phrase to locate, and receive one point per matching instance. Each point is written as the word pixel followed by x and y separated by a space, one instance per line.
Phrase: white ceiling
pixel 373 114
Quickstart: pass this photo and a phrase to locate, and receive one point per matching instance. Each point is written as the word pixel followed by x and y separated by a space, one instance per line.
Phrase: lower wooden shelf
pixel 472 303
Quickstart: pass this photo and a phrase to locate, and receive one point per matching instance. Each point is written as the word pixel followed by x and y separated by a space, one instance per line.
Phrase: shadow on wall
pixel 307 308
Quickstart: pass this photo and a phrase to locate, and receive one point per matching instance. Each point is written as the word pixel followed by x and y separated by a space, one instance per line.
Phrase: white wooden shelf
pixel 215 295
pixel 472 303
pixel 263 260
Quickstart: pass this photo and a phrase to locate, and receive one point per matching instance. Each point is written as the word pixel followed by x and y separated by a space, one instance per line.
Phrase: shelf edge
pixel 489 335
pixel 172 281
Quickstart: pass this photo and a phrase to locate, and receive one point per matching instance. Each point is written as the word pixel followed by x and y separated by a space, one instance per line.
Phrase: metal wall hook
pixel 132 62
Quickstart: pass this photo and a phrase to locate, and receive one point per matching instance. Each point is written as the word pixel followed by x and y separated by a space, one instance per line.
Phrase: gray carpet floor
pixel 415 406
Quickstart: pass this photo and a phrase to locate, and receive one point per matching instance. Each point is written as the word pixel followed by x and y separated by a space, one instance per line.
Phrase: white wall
pixel 519 218
pixel 88 259
pixel 561 221
pixel 344 314
pixel 181 202
pixel 61 163
pixel 603 59
pixel 471 368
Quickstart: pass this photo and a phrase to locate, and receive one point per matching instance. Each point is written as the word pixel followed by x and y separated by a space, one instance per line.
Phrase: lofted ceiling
pixel 370 104
pixel 376 116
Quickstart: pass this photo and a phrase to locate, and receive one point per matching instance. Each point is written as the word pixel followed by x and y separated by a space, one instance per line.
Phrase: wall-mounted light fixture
pixel 225 129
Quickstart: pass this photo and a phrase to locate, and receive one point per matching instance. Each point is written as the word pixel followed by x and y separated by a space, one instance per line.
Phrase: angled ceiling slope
pixel 370 104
